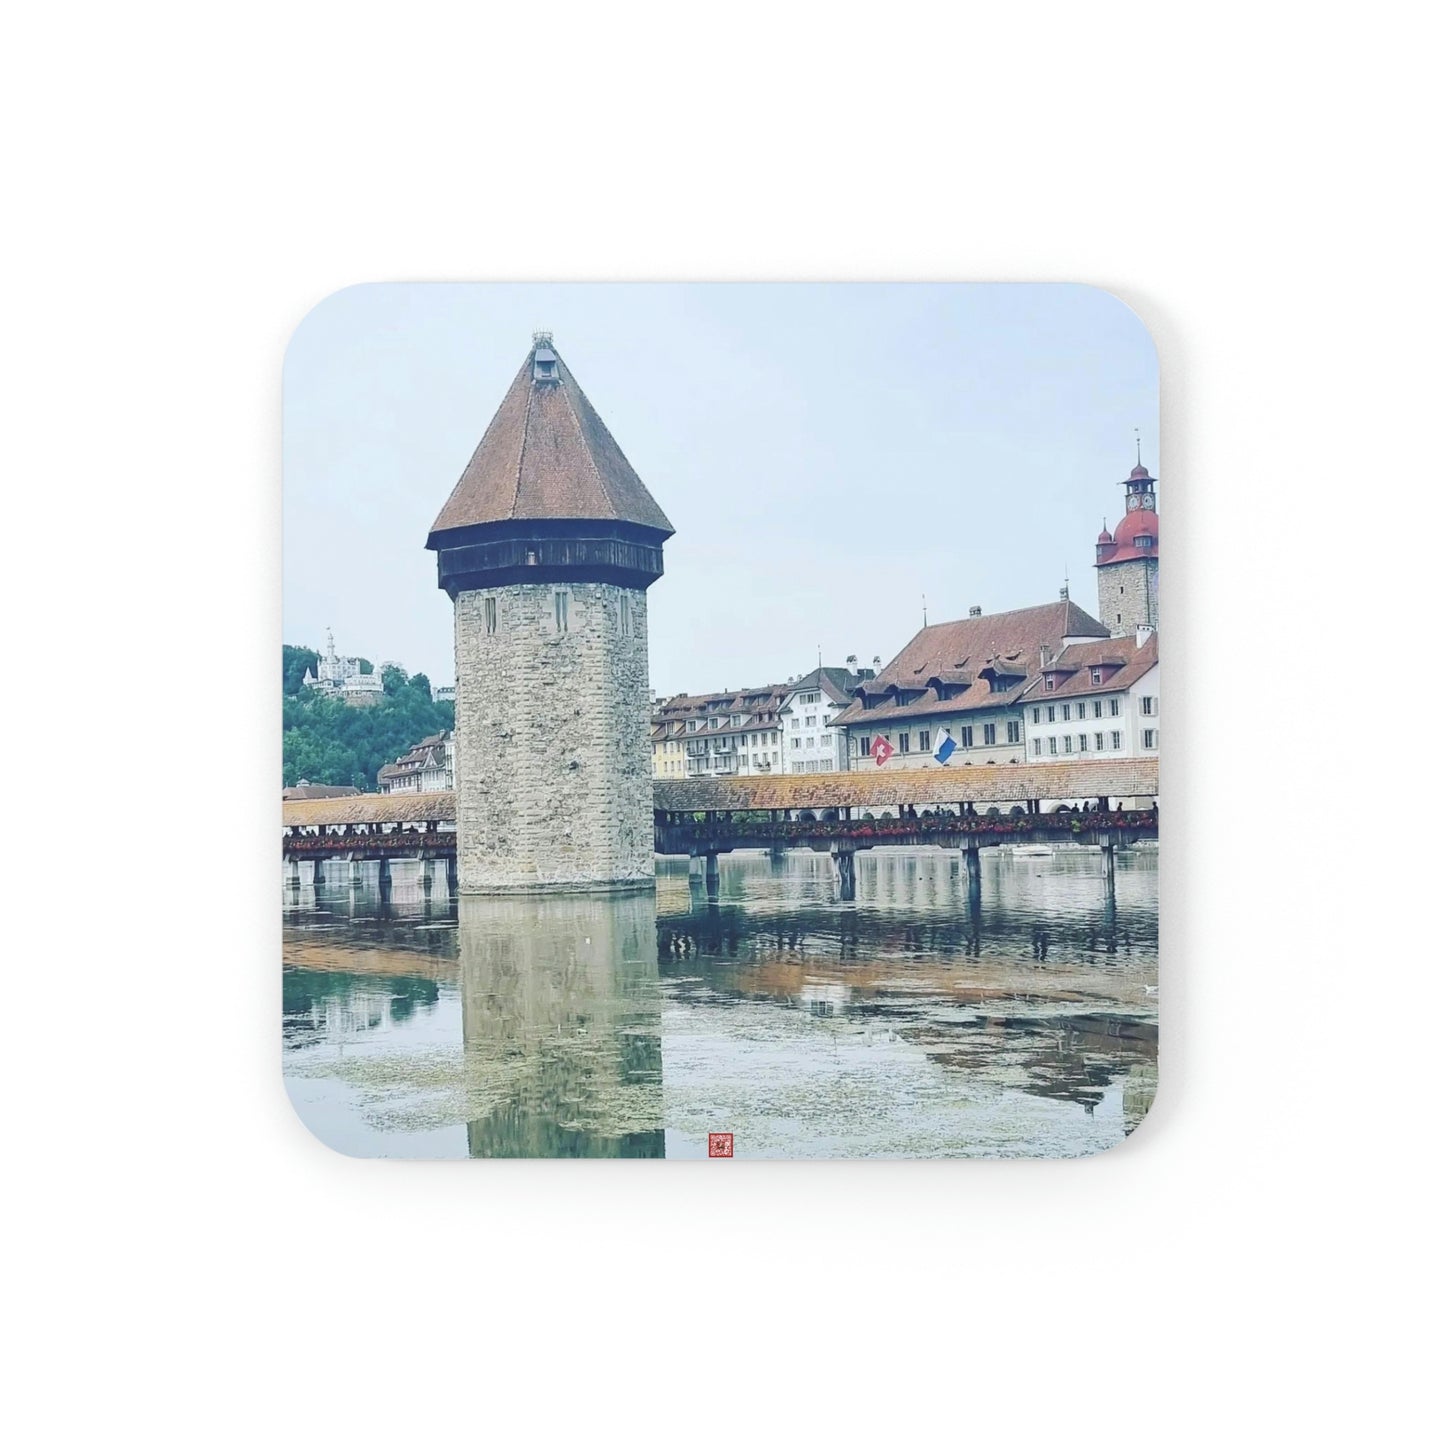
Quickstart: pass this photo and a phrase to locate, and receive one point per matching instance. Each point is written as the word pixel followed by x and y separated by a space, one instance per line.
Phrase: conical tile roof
pixel 547 456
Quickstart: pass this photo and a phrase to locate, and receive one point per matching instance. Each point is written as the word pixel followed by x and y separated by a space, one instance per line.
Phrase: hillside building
pixel 343 677
pixel 429 767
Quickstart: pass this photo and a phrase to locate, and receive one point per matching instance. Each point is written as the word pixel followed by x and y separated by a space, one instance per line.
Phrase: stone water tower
pixel 547 546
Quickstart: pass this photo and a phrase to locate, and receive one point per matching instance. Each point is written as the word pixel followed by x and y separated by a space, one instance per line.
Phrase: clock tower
pixel 1127 560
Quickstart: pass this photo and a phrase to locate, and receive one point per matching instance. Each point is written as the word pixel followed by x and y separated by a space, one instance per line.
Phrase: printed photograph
pixel 720 721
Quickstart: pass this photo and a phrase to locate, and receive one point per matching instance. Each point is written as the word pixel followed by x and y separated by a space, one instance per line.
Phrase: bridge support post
pixel 423 864
pixel 1108 852
pixel 318 873
pixel 973 877
pixel 353 870
pixel 845 872
pixel 776 853
pixel 711 875
pixel 293 872
pixel 383 877
pixel 452 874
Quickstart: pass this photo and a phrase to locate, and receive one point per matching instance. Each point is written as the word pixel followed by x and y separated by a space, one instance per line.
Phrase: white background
pixel 184 183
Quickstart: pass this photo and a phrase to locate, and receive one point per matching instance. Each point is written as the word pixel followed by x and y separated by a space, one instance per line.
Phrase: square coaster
pixel 752 755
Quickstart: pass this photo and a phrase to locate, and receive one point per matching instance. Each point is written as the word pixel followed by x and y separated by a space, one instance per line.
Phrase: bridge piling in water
pixel 845 871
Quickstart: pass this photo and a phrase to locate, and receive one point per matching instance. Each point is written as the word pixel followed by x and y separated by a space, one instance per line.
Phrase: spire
pixel 547 456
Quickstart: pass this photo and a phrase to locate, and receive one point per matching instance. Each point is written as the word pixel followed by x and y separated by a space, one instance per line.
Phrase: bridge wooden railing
pixel 884 830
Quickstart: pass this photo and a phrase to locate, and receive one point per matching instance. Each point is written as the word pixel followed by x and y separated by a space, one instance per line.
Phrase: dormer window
pixel 544 359
pixel 1144 542
pixel 1096 675
pixel 1049 683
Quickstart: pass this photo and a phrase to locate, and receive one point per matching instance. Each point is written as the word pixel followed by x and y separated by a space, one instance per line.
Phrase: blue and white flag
pixel 945 749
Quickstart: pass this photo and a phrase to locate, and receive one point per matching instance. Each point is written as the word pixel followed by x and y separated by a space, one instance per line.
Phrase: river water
pixel 913 1022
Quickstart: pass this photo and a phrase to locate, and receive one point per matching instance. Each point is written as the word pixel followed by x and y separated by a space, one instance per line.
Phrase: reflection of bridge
pixel 1101 804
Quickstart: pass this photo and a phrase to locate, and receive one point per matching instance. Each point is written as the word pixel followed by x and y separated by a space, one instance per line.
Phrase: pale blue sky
pixel 827 454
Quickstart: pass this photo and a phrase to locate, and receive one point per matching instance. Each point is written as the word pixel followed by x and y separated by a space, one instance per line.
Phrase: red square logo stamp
pixel 719 1146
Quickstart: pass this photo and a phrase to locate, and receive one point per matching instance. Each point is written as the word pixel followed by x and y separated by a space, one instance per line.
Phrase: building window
pixel 1053 747
pixel 1098 708
pixel 626 615
pixel 1049 683
pixel 1096 675
pixel 1036 715
pixel 489 612
pixel 903 741
pixel 1015 732
pixel 797 742
pixel 1119 616
pixel 923 740
pixel 1051 714
pixel 1151 738
pixel 1038 746
pixel 1146 706
pixel 1115 741
pixel 1068 743
pixel 990 734
pixel 1066 712
pixel 559 602
pixel 965 736
pixel 1083 742
pixel 1113 707
pixel 1098 742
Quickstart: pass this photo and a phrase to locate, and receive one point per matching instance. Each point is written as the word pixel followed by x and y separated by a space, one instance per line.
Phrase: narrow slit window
pixel 489 613
pixel 560 601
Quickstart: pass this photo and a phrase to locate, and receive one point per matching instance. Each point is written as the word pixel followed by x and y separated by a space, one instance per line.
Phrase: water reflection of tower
pixel 561 1025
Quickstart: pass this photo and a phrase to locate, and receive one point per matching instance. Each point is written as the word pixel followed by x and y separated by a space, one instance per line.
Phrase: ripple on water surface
pixel 910 1023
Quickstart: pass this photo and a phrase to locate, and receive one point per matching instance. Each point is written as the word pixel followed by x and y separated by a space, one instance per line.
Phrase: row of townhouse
pixel 720 734
pixel 780 728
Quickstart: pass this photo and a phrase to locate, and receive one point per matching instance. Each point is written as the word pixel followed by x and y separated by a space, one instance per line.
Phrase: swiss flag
pixel 882 750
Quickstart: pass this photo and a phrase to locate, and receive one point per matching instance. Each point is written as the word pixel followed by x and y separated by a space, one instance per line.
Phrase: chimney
pixel 877 662
pixel 975 611
pixel 1142 633
pixel 852 661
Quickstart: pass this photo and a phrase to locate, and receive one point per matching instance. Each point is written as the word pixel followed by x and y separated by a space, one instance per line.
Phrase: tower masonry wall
pixel 553 768
pixel 1129 595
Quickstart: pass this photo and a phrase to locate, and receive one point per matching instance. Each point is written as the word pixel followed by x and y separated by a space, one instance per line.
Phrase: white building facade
pixel 811 707
pixel 343 677
pixel 1096 698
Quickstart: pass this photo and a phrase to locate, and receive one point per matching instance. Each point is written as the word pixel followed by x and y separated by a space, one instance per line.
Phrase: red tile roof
pixel 1122 661
pixel 961 658
pixel 548 455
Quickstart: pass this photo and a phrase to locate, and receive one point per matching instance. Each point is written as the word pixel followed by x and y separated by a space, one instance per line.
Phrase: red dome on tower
pixel 1137 524
pixel 1105 537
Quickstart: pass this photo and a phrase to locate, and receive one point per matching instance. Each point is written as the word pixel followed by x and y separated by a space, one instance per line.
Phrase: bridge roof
pixel 889 787
pixel 369 808
pixel 868 788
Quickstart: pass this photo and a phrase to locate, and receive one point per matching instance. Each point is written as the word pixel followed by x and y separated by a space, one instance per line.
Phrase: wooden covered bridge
pixel 1101 803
